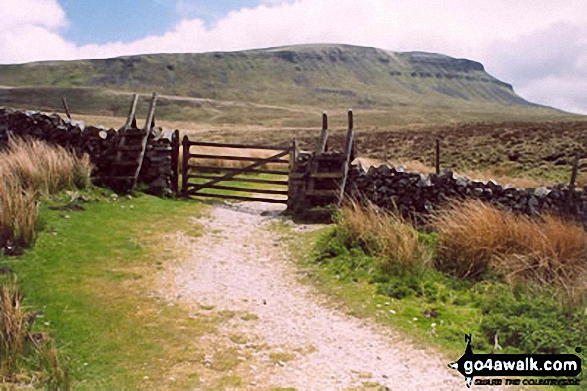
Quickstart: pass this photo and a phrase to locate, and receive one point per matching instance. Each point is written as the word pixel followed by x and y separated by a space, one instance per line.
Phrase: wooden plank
pixel 232 169
pixel 131 148
pixel 295 153
pixel 66 107
pixel 326 175
pixel 248 180
pixel 231 197
pixel 232 188
pixel 437 161
pixel 322 193
pixel 147 129
pixel 131 112
pixel 245 169
pixel 235 158
pixel 322 142
pixel 240 146
pixel 175 161
pixel 125 163
pixel 347 153
pixel 331 158
pixel 185 166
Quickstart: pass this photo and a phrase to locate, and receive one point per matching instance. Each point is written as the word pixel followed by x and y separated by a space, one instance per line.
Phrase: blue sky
pixel 105 21
pixel 539 46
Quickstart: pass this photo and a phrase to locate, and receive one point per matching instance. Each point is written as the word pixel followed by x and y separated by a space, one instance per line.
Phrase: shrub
pixel 384 235
pixel 475 239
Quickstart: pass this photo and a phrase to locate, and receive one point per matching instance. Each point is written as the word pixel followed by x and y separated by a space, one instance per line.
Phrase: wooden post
pixel 66 107
pixel 348 152
pixel 294 155
pixel 437 161
pixel 184 165
pixel 574 172
pixel 175 162
pixel 147 129
pixel 131 121
pixel 322 142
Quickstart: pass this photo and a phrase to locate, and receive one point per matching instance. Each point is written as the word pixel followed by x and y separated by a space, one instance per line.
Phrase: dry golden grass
pixel 31 168
pixel 475 237
pixel 385 235
pixel 14 330
pixel 19 212
pixel 17 343
pixel 45 168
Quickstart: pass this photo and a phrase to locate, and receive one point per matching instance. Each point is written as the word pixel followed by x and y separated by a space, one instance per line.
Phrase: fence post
pixel 574 172
pixel 437 161
pixel 184 165
pixel 571 193
pixel 175 161
pixel 294 155
pixel 66 107
pixel 322 143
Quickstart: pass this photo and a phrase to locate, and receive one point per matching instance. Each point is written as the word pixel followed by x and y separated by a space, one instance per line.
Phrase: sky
pixel 539 46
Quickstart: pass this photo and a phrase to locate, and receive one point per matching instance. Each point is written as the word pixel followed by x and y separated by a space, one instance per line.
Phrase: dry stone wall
pixel 157 172
pixel 418 195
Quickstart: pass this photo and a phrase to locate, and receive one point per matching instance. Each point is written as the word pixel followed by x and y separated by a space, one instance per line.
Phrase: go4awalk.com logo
pixel 538 369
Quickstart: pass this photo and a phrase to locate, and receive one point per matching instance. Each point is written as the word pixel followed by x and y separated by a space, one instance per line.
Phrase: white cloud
pixel 535 45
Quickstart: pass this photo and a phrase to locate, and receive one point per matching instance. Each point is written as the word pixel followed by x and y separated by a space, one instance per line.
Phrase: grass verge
pixel 436 308
pixel 91 275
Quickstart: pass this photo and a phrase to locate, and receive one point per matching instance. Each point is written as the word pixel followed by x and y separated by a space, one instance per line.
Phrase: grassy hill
pixel 313 77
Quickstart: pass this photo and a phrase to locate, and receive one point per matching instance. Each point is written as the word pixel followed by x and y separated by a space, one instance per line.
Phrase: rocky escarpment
pixel 326 75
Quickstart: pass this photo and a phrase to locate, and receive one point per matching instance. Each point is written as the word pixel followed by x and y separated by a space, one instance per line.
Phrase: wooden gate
pixel 199 175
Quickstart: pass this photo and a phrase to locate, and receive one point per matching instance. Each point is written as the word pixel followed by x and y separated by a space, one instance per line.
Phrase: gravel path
pixel 296 337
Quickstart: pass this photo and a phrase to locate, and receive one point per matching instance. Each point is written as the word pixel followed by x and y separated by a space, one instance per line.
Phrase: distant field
pixel 501 141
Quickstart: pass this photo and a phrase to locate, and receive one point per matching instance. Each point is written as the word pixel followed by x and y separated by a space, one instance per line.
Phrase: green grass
pixel 91 275
pixel 437 310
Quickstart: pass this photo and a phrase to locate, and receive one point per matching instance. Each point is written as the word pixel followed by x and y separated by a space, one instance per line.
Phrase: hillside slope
pixel 331 75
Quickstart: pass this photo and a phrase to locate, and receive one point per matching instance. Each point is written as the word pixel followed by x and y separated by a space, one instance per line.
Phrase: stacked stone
pixel 157 169
pixel 98 142
pixel 417 195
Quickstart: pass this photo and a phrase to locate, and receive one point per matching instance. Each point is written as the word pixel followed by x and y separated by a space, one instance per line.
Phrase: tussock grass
pixel 14 330
pixel 385 235
pixel 19 212
pixel 45 168
pixel 17 366
pixel 30 169
pixel 476 238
